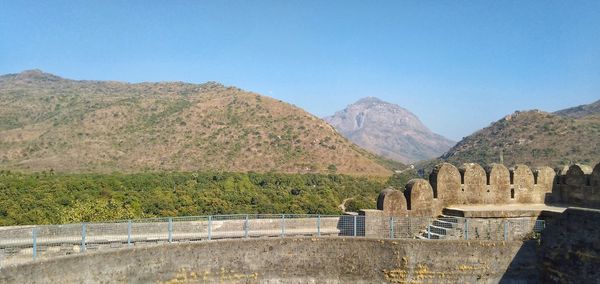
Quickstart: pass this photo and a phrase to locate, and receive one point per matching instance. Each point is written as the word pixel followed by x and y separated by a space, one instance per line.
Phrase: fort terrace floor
pixel 503 210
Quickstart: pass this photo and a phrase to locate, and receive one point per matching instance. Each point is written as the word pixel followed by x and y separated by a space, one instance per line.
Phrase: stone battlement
pixel 472 184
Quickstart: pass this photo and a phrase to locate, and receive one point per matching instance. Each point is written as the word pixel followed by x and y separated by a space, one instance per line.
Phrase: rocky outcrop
pixel 388 130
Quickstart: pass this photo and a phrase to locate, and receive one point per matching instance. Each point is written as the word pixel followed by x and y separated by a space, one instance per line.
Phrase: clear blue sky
pixel 458 65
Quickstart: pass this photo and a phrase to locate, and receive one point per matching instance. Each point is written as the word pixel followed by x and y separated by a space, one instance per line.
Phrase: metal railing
pixel 22 244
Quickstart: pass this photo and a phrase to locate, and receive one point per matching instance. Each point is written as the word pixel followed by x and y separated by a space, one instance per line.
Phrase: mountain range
pixel 51 123
pixel 388 130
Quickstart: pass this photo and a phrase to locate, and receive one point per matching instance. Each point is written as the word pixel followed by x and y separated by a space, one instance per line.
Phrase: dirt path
pixel 343 205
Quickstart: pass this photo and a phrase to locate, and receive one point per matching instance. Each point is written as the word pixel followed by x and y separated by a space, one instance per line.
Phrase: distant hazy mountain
pixel 535 138
pixel 388 130
pixel 47 122
pixel 581 111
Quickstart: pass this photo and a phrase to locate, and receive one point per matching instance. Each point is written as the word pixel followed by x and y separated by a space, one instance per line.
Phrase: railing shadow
pixel 351 226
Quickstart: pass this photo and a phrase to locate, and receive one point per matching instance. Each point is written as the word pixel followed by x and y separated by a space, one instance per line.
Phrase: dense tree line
pixel 48 198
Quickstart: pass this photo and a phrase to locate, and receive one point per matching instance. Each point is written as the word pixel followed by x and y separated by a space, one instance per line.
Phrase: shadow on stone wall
pixel 570 248
pixel 523 268
pixel 347 223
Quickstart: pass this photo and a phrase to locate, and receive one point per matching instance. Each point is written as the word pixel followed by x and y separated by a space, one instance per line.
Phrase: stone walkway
pixel 503 210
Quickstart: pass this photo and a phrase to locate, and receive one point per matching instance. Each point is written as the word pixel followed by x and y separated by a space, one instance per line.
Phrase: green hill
pixel 51 123
pixel 532 137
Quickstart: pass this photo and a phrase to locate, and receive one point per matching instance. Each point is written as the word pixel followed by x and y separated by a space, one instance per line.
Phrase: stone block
pixel 499 184
pixel 419 198
pixel 523 183
pixel 473 183
pixel 445 181
pixel 392 202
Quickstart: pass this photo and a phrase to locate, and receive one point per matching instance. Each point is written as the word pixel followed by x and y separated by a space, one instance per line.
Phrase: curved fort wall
pixel 472 184
pixel 287 260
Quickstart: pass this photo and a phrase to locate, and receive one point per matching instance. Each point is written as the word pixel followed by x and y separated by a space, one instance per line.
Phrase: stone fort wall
pixel 472 184
pixel 292 260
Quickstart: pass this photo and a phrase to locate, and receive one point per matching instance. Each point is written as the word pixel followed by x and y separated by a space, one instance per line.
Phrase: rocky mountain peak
pixel 370 100
pixel 388 130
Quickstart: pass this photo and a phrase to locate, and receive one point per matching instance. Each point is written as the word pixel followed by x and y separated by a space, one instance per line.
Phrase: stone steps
pixel 431 236
pixel 442 227
pixel 444 224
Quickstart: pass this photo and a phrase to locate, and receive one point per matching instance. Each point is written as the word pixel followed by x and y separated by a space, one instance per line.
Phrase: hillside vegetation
pixel 51 123
pixel 50 198
pixel 533 137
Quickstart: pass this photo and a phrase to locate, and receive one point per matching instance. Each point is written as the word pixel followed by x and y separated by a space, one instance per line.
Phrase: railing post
pixel 505 230
pixel 282 225
pixel 34 242
pixel 543 224
pixel 170 228
pixel 129 233
pixel 391 227
pixel 318 225
pixel 429 231
pixel 246 227
pixel 83 234
pixel 209 227
pixel 354 226
pixel 466 229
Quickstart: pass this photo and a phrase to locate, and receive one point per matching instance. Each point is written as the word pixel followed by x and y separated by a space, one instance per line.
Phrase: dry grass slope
pixel 47 122
pixel 533 137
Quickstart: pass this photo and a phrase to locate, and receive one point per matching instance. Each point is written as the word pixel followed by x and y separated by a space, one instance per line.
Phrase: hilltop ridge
pixel 581 111
pixel 48 122
pixel 535 138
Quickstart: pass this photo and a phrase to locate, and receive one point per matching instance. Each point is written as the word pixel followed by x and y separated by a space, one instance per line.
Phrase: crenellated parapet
pixel 578 185
pixel 419 197
pixel 392 202
pixel 472 184
pixel 497 184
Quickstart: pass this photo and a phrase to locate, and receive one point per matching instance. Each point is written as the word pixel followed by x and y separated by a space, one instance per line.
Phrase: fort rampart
pixel 495 184
pixel 270 250
pixel 291 260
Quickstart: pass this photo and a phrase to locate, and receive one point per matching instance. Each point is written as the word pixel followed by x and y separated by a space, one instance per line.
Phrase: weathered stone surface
pixel 522 183
pixel 392 202
pixel 594 197
pixel 561 172
pixel 575 190
pixel 546 180
pixel 576 175
pixel 376 223
pixel 292 260
pixel 445 181
pixel 419 198
pixel 499 184
pixel 474 183
pixel 595 177
pixel 570 249
pixel 557 191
